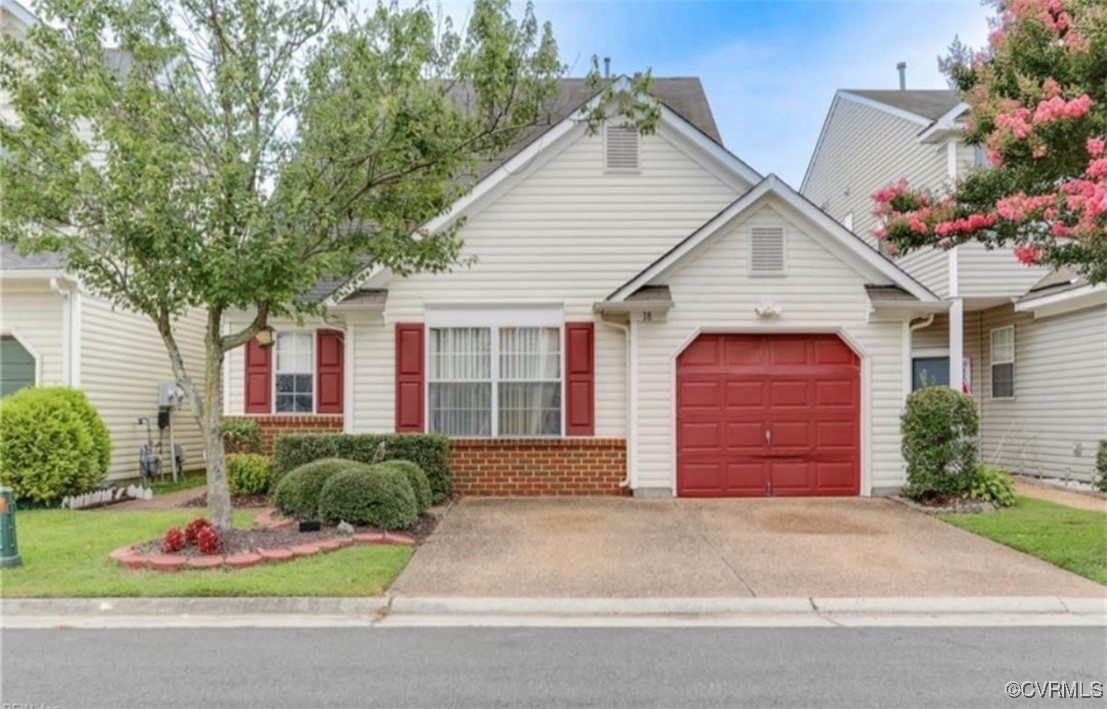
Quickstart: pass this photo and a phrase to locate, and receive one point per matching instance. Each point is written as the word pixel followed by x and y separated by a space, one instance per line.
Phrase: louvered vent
pixel 767 249
pixel 622 148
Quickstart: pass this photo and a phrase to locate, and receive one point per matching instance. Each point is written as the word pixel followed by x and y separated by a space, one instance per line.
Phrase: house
pixel 54 332
pixel 1028 344
pixel 643 313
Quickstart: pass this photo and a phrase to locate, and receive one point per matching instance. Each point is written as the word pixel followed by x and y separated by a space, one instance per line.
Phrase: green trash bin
pixel 9 547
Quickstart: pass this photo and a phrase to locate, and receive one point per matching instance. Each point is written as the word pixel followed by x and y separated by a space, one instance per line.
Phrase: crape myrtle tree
pixel 219 156
pixel 1038 108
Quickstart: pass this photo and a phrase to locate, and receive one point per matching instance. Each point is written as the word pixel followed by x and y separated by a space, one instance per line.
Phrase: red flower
pixel 207 540
pixel 192 531
pixel 174 540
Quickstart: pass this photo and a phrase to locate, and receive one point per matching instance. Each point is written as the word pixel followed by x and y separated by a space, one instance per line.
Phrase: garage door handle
pixel 768 437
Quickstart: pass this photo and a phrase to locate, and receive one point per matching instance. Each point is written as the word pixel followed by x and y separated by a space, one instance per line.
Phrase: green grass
pixel 1071 538
pixel 188 481
pixel 65 554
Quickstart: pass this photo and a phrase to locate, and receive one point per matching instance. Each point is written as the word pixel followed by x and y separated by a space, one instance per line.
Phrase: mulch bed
pixel 238 501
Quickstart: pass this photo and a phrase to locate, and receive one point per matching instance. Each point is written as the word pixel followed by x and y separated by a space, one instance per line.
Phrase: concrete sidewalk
pixel 778 547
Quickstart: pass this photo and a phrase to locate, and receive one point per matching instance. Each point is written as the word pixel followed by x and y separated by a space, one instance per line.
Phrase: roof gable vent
pixel 621 148
pixel 767 250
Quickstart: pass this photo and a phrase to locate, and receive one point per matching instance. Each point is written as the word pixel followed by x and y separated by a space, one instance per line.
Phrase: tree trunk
pixel 219 493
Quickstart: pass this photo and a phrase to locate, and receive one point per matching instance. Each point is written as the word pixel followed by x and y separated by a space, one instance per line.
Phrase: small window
pixel 929 372
pixel 1003 363
pixel 621 149
pixel 848 221
pixel 294 373
pixel 767 250
pixel 17 366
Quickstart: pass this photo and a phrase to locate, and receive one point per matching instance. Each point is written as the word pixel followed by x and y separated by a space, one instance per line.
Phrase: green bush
pixel 992 485
pixel 1101 466
pixel 431 452
pixel 249 473
pixel 939 427
pixel 242 436
pixel 379 496
pixel 297 494
pixel 53 444
pixel 418 480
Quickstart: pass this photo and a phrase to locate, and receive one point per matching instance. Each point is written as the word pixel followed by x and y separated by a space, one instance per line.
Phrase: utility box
pixel 170 395
pixel 9 547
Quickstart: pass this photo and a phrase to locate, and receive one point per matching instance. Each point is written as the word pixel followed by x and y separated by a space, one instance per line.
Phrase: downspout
pixel 630 438
pixel 67 330
pixel 926 322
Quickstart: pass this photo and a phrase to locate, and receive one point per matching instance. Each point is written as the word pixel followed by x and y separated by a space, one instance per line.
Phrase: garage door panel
pixel 804 389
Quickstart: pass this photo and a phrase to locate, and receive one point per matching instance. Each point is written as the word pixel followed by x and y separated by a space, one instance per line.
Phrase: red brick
pixel 167 562
pixel 242 561
pixel 207 561
pixel 275 554
pixel 304 550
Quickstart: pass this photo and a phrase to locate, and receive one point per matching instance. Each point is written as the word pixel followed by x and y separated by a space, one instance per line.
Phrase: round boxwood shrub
pixel 420 485
pixel 379 496
pixel 54 444
pixel 249 473
pixel 939 427
pixel 297 494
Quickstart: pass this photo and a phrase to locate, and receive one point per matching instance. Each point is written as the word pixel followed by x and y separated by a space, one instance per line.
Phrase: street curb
pixel 16 607
pixel 1091 606
pixel 924 604
pixel 595 606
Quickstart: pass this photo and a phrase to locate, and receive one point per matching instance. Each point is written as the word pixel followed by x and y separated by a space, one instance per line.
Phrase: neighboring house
pixel 1030 345
pixel 643 312
pixel 52 332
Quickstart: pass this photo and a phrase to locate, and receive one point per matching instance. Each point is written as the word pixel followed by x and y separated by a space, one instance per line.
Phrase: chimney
pixel 607 67
pixel 902 68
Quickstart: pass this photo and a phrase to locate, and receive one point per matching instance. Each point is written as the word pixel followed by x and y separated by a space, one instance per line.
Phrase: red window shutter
pixel 259 379
pixel 580 379
pixel 409 377
pixel 328 371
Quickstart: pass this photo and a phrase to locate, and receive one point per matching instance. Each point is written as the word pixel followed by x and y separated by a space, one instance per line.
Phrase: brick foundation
pixel 272 426
pixel 523 467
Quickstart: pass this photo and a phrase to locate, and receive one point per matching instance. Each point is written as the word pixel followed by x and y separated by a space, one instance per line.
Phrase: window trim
pixel 492 320
pixel 637 146
pixel 783 251
pixel 992 363
pixel 313 336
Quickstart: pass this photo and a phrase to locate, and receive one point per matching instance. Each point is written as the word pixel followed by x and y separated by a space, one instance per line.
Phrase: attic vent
pixel 767 249
pixel 621 148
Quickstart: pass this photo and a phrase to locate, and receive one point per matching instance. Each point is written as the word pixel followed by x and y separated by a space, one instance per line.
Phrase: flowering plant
pixel 173 541
pixel 1038 109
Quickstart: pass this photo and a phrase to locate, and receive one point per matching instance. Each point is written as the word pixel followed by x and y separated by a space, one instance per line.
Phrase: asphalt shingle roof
pixel 928 103
pixel 11 260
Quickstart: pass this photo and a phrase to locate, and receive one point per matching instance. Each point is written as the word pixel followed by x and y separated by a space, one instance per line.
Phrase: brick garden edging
pixel 129 557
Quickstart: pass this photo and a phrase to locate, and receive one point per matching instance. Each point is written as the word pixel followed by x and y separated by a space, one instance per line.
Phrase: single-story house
pixel 643 313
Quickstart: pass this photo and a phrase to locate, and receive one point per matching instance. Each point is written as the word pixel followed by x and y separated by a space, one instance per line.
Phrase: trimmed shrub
pixel 417 479
pixel 53 444
pixel 379 496
pixel 249 473
pixel 431 452
pixel 242 436
pixel 297 494
pixel 939 427
pixel 992 485
pixel 1101 466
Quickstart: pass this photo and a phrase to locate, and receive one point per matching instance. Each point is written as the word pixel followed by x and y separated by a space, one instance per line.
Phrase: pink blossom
pixel 1096 147
pixel 1028 254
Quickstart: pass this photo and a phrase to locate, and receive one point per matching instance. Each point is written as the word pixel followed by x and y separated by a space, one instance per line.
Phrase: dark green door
pixel 17 366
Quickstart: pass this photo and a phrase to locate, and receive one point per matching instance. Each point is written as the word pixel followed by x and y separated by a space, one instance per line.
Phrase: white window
pixel 621 148
pixel 294 374
pixel 1003 362
pixel 495 381
pixel 767 250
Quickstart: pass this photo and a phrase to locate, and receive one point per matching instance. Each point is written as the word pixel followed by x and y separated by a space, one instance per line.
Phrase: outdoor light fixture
pixel 266 337
pixel 767 311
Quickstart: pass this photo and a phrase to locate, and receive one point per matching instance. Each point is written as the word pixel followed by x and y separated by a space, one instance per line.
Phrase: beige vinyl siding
pixel 863 150
pixel 966 159
pixel 568 233
pixel 933 337
pixel 995 272
pixel 35 314
pixel 1060 403
pixel 713 292
pixel 123 360
pixel 930 267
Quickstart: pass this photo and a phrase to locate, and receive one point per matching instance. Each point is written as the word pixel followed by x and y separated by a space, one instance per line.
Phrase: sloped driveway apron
pixel 619 547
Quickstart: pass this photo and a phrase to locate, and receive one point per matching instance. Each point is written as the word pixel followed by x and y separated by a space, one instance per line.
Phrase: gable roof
pixel 930 104
pixel 11 260
pixel 855 246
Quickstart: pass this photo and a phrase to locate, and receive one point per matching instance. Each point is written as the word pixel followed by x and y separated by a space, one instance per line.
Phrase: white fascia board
pixel 854 246
pixel 30 274
pixel 945 125
pixel 20 13
pixel 892 110
pixel 1075 299
pixel 819 142
pixel 707 147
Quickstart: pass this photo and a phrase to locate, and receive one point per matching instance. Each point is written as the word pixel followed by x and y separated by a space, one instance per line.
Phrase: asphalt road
pixel 543 667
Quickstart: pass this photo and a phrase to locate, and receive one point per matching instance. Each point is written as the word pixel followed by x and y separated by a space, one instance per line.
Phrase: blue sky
pixel 770 68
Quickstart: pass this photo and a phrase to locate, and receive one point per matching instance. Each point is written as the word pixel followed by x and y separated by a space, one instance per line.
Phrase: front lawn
pixel 65 554
pixel 1070 538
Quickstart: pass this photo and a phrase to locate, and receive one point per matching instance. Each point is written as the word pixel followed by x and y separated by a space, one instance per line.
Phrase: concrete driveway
pixel 623 547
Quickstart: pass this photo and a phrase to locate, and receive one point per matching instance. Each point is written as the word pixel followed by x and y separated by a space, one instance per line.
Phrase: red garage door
pixel 768 415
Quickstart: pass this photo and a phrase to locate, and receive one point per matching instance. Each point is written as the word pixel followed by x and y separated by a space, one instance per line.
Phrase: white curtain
pixel 530 381
pixel 461 381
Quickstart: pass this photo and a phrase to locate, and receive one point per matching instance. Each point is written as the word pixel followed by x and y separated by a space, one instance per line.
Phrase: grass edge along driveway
pixel 65 555
pixel 1071 538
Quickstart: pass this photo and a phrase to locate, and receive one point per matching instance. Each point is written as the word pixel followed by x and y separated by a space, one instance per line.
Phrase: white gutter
pixel 632 401
pixel 71 366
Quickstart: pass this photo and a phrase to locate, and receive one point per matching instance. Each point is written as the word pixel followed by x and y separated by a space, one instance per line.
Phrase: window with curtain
pixel 1003 363
pixel 294 372
pixel 495 381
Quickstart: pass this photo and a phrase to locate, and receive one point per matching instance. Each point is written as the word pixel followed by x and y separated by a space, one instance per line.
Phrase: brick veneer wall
pixel 520 467
pixel 272 426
